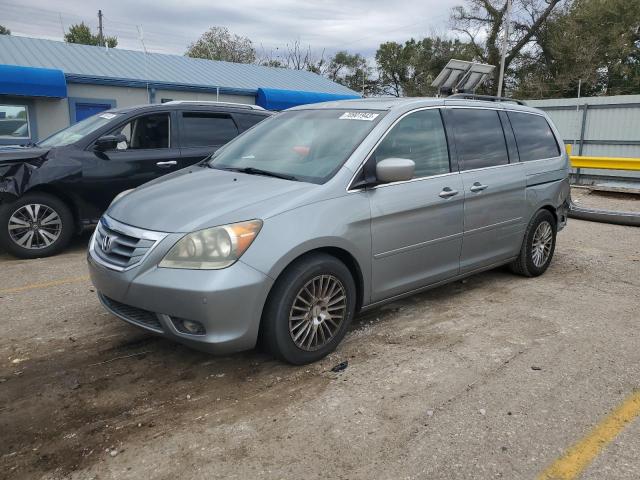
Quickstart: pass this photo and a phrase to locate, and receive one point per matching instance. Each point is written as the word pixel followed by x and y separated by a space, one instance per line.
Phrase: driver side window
pixel 145 132
pixel 419 137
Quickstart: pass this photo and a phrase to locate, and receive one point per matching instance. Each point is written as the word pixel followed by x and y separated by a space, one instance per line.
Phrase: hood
pixel 202 197
pixel 12 154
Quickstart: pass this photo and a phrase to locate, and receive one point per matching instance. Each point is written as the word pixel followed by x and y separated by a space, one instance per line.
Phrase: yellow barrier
pixel 607 163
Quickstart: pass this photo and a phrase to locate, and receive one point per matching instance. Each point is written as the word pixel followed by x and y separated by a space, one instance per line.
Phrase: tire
pixel 48 226
pixel 292 309
pixel 541 230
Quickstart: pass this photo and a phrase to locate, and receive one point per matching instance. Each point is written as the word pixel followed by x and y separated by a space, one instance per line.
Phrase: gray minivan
pixel 325 210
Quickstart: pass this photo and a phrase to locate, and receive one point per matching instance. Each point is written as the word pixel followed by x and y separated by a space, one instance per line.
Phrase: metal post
pixel 504 48
pixel 100 31
pixel 581 141
pixel 582 129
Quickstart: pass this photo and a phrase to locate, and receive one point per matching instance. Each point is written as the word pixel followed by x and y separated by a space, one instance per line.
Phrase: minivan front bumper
pixel 228 303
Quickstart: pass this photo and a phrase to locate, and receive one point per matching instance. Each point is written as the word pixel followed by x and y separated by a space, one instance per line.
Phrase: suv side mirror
pixel 109 142
pixel 395 170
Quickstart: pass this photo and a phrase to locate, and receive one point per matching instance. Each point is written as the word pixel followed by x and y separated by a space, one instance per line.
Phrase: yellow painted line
pixel 54 283
pixel 580 455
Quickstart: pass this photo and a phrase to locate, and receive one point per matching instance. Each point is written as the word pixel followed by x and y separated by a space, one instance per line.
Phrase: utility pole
pixel 504 47
pixel 100 31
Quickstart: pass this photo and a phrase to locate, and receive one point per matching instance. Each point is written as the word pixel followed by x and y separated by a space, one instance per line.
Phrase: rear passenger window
pixel 419 137
pixel 534 137
pixel 479 138
pixel 203 129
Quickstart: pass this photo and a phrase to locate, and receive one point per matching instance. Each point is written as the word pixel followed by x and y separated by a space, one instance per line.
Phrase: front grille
pixel 120 249
pixel 141 317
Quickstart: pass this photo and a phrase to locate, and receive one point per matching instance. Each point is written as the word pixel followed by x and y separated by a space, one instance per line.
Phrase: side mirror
pixel 395 170
pixel 109 142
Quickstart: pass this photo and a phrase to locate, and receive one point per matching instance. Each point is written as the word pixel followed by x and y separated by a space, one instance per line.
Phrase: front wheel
pixel 309 309
pixel 537 247
pixel 36 225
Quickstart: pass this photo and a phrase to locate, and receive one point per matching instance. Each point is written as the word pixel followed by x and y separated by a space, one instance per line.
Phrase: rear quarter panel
pixel 547 180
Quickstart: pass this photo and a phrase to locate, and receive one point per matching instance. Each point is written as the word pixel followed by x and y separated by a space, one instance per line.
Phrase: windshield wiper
pixel 258 171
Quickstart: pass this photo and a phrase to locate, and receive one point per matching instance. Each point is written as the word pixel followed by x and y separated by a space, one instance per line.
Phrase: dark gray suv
pixel 50 190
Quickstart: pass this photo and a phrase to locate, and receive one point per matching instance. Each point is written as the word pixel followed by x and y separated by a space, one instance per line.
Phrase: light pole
pixel 504 47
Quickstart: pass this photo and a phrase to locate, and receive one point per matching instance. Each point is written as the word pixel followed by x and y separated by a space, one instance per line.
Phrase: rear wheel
pixel 538 246
pixel 36 225
pixel 309 309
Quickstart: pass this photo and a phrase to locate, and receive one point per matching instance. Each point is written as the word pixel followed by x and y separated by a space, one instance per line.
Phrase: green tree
pixel 81 33
pixel 595 42
pixel 409 69
pixel 4 30
pixel 353 71
pixel 218 43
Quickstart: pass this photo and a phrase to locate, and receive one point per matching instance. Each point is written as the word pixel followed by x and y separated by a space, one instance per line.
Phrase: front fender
pixel 343 223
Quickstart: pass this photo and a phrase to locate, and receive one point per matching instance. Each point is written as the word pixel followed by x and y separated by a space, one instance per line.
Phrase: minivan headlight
pixel 212 248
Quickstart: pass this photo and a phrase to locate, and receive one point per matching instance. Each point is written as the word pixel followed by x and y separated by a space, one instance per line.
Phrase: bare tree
pixel 482 22
pixel 293 56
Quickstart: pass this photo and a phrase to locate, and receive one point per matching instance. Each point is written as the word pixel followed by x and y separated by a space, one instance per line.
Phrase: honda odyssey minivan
pixel 325 210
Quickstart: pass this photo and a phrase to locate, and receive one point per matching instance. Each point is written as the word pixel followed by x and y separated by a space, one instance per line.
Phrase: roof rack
pixel 488 98
pixel 213 102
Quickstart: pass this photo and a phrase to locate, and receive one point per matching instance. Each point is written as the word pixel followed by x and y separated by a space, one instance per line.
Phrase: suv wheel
pixel 309 309
pixel 36 225
pixel 538 246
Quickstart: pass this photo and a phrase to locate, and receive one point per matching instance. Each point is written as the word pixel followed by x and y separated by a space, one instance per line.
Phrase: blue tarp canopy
pixel 273 99
pixel 32 82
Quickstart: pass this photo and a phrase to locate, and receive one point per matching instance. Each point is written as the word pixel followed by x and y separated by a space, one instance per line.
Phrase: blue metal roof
pixel 32 81
pixel 84 63
pixel 273 99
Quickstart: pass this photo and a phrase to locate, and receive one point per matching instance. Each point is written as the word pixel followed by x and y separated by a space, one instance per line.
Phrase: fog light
pixel 188 326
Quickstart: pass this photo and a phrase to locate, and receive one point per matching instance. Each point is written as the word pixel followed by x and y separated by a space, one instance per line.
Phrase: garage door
pixel 84 110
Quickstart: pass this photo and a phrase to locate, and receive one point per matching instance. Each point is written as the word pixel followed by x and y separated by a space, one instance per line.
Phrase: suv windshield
pixel 306 145
pixel 78 130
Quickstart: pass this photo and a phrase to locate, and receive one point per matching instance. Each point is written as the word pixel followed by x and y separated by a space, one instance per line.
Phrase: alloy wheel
pixel 542 243
pixel 317 313
pixel 35 226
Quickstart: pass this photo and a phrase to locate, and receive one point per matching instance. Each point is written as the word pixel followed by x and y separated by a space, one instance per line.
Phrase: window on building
pixel 145 132
pixel 534 137
pixel 479 138
pixel 14 122
pixel 419 137
pixel 203 129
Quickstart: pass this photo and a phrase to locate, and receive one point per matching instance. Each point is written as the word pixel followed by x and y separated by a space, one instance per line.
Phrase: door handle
pixel 478 187
pixel 167 164
pixel 447 192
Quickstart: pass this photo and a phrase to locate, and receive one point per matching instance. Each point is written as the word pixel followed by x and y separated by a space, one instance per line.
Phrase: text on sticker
pixel 367 116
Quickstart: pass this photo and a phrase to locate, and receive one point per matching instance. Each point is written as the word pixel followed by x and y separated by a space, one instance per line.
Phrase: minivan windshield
pixel 305 145
pixel 78 130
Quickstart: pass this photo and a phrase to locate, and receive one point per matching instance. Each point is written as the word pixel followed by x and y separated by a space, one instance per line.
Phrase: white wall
pixel 52 114
pixel 124 96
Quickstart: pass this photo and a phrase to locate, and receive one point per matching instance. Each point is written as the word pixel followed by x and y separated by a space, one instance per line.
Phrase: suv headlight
pixel 212 248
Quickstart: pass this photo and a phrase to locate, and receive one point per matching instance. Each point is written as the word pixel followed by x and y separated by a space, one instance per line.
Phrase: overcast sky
pixel 169 26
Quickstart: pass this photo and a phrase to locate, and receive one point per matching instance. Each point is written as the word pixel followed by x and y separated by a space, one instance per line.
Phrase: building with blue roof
pixel 46 85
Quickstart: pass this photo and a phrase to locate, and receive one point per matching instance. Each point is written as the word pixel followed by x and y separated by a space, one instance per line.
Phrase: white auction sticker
pixel 107 116
pixel 367 116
